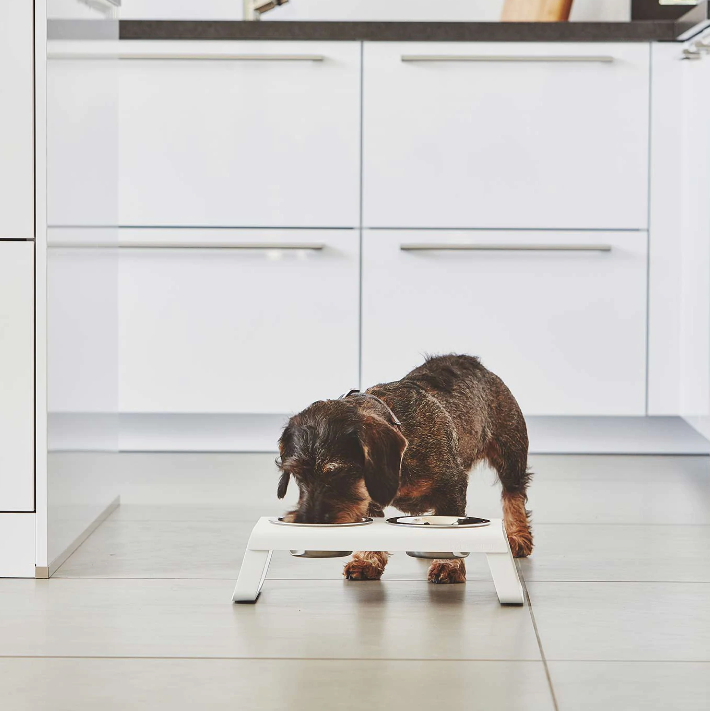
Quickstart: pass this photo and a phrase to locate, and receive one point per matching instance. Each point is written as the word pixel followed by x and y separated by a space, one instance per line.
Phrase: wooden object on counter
pixel 536 10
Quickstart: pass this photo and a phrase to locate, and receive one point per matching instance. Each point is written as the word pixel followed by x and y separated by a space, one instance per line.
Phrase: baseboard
pixel 200 433
pixel 700 423
pixel 614 435
pixel 260 433
pixel 64 555
pixel 82 431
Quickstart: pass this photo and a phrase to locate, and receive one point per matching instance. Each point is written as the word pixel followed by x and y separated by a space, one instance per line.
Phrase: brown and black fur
pixel 350 459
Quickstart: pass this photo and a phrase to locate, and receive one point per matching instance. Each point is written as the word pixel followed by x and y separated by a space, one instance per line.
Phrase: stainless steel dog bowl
pixel 321 554
pixel 438 555
pixel 281 522
pixel 439 522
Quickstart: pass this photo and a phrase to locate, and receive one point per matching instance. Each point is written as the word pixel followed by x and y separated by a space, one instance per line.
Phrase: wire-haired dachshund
pixel 411 444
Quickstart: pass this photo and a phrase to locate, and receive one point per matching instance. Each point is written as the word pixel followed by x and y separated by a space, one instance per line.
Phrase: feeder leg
pixel 505 578
pixel 251 576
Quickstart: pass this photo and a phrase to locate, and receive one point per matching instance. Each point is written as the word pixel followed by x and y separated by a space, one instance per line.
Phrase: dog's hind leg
pixel 510 458
pixel 366 565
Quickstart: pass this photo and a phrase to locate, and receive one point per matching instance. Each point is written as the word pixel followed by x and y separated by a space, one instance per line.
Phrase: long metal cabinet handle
pixel 314 246
pixel 432 247
pixel 605 59
pixel 188 55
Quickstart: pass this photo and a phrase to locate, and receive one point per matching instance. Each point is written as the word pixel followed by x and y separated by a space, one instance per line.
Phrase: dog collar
pixel 394 421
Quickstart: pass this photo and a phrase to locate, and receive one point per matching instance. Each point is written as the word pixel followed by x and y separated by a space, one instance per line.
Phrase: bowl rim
pixel 280 522
pixel 476 522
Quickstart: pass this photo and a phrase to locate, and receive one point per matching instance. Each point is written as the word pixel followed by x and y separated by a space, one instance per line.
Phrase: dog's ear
pixel 383 447
pixel 283 485
pixel 284 441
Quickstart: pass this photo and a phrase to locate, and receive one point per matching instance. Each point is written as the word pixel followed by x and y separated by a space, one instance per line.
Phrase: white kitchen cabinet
pixel 82 321
pixel 16 376
pixel 16 120
pixel 693 242
pixel 505 135
pixel 267 323
pixel 17 553
pixel 560 316
pixel 679 259
pixel 82 135
pixel 268 135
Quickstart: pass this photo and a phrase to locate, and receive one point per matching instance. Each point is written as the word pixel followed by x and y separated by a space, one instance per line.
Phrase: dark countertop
pixel 637 31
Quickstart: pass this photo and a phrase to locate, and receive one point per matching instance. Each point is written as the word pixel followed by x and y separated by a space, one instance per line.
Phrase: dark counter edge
pixel 640 31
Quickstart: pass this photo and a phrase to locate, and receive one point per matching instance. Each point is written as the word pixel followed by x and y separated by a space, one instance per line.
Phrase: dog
pixel 411 444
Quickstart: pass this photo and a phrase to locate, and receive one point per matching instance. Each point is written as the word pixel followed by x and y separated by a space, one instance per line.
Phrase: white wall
pixel 453 10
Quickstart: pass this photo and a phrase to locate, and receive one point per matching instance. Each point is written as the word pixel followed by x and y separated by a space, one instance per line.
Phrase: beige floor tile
pixel 618 553
pixel 294 619
pixel 623 621
pixel 270 685
pixel 160 548
pixel 622 686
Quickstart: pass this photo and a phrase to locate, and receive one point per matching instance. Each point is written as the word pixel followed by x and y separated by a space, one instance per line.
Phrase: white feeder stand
pixel 378 536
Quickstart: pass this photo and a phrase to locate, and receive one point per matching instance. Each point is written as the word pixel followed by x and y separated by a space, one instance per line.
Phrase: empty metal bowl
pixel 439 522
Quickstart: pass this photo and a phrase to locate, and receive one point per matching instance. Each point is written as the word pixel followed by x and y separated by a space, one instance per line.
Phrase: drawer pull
pixel 432 247
pixel 190 55
pixel 313 246
pixel 604 59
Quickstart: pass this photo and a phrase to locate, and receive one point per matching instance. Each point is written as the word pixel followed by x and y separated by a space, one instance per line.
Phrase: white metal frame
pixel 378 536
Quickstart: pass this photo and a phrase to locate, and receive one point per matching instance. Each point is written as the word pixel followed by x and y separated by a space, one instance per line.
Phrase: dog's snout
pixel 318 510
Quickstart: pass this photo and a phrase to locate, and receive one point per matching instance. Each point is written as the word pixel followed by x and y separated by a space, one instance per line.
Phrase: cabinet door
pixel 82 136
pixel 16 376
pixel 560 316
pixel 505 135
pixel 16 120
pixel 264 329
pixel 267 136
pixel 692 239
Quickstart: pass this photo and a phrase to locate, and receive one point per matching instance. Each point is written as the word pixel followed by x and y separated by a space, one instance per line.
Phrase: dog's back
pixel 478 401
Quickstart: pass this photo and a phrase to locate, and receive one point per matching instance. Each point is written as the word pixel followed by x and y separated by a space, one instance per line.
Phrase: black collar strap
pixel 393 418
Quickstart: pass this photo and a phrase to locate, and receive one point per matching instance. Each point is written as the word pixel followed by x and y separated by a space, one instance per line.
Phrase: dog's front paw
pixel 447 571
pixel 521 543
pixel 365 568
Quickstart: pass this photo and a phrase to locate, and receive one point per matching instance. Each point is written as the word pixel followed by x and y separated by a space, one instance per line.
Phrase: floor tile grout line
pixel 274 659
pixel 537 635
pixel 354 659
pixel 609 582
pixel 538 523
pixel 387 580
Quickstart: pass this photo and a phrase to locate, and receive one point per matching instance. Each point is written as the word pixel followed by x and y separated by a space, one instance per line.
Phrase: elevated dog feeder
pixel 378 536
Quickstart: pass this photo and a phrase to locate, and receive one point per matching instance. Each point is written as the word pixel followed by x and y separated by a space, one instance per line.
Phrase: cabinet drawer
pixel 505 135
pixel 560 316
pixel 16 376
pixel 266 324
pixel 267 136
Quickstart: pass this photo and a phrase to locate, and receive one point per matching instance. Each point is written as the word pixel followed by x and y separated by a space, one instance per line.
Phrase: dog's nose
pixel 318 512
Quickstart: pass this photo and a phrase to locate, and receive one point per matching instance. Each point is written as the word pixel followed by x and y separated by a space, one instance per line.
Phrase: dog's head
pixel 342 459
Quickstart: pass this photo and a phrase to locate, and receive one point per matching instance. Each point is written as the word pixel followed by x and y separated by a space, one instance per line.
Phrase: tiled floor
pixel 140 618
